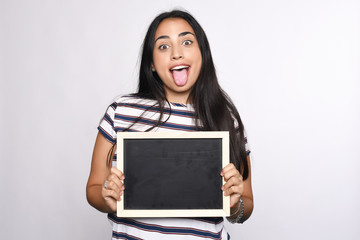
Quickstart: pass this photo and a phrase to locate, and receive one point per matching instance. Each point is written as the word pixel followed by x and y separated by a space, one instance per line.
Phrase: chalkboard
pixel 173 174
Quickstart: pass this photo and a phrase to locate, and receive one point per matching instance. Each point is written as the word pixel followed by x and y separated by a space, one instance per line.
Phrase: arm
pixel 235 187
pixel 104 200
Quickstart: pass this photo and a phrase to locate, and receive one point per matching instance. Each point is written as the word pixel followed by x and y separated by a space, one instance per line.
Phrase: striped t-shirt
pixel 120 115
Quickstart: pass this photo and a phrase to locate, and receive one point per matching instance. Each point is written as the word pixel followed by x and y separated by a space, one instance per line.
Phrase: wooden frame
pixel 131 145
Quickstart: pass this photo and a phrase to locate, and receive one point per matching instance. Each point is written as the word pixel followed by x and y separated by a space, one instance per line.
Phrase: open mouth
pixel 180 74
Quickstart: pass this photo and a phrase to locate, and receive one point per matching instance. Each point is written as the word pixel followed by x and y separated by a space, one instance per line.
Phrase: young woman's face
pixel 177 58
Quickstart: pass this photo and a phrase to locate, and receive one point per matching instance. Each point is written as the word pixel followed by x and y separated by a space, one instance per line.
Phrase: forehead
pixel 173 26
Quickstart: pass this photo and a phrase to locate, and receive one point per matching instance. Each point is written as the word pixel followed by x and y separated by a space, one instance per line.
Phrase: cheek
pixel 197 56
pixel 159 63
pixel 198 61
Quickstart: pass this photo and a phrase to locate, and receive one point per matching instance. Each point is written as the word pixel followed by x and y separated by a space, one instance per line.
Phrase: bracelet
pixel 238 219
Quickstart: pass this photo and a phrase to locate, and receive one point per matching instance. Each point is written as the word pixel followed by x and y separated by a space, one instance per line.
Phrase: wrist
pixel 237 212
pixel 234 208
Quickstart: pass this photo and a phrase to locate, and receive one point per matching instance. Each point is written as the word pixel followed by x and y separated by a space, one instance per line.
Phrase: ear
pixel 153 68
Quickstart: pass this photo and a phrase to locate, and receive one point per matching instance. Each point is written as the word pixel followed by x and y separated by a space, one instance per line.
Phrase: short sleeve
pixel 247 148
pixel 106 126
pixel 236 126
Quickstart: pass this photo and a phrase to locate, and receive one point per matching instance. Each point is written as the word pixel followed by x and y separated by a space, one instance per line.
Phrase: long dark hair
pixel 214 110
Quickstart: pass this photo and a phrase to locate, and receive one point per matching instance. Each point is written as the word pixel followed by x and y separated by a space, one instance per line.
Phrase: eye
pixel 163 47
pixel 187 42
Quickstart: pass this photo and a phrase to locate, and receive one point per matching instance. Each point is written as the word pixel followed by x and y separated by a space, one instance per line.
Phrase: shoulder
pixel 132 99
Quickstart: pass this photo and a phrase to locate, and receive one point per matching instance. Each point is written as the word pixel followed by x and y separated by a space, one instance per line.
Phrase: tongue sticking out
pixel 180 76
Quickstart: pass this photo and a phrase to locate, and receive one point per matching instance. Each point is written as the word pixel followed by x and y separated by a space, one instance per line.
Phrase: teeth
pixel 179 67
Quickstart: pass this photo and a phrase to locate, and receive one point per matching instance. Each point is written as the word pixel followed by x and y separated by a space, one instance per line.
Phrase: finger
pixel 231 173
pixel 110 193
pixel 233 190
pixel 117 172
pixel 228 167
pixel 112 186
pixel 114 182
pixel 234 181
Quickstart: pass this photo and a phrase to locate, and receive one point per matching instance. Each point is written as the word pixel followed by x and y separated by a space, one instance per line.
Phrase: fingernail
pixel 222 188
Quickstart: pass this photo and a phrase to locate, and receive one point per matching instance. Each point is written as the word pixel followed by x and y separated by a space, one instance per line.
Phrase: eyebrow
pixel 180 35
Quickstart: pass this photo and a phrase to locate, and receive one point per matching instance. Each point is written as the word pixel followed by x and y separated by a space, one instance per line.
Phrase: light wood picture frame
pixel 173 174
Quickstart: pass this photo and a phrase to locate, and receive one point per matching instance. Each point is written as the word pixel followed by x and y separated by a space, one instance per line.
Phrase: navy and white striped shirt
pixel 119 116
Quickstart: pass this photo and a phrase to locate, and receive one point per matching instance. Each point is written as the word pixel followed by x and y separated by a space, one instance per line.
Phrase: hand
pixel 114 188
pixel 234 186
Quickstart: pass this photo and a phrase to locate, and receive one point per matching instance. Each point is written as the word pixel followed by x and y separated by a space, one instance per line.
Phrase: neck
pixel 178 98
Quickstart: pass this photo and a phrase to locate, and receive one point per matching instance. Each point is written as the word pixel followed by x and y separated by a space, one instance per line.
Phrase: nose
pixel 176 53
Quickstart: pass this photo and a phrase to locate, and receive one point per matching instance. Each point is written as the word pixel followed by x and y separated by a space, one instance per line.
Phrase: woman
pixel 178 87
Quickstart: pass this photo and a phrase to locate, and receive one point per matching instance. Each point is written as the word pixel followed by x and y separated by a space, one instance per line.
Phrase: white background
pixel 291 67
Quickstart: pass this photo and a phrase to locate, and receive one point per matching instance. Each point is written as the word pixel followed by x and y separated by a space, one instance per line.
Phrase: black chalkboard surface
pixel 173 174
